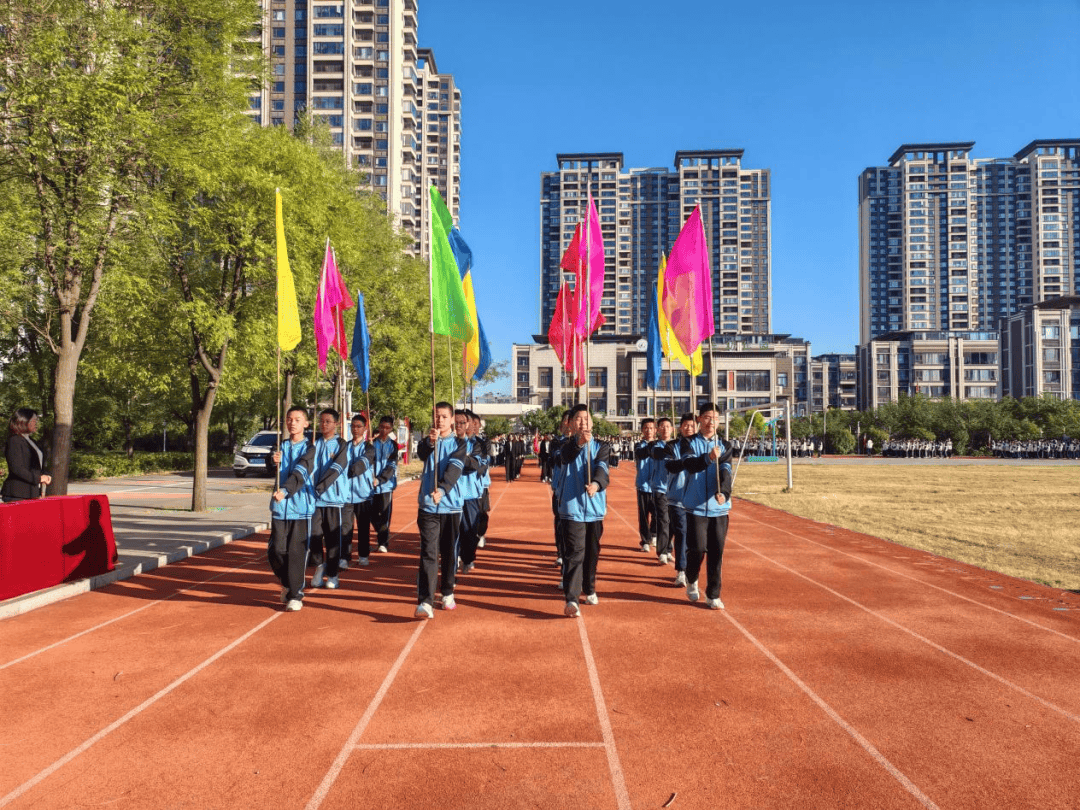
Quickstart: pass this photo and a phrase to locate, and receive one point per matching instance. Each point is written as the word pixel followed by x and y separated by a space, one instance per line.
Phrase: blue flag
pixel 652 370
pixel 361 345
pixel 485 353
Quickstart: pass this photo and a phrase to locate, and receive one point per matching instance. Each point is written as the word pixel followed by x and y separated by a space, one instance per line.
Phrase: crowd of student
pixel 917 448
pixel 326 486
pixel 1037 448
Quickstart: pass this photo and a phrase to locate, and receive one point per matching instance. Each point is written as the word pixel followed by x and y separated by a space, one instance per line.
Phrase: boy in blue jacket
pixel 439 515
pixel 582 508
pixel 471 484
pixel 356 509
pixel 646 510
pixel 331 492
pixel 706 497
pixel 291 508
pixel 382 496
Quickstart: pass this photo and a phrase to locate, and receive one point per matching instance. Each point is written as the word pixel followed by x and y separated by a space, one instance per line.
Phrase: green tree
pixel 89 93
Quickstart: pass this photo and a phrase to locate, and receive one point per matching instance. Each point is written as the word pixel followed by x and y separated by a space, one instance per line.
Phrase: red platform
pixel 52 540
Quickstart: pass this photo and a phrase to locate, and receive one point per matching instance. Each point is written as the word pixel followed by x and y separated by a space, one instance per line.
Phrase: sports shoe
pixel 284 596
pixel 448 602
pixel 317 579
pixel 680 577
pixel 468 567
pixel 481 542
pixel 458 568
pixel 424 611
pixel 293 605
pixel 644 546
pixel 383 550
pixel 343 565
pixel 364 561
pixel 714 604
pixel 331 583
pixel 558 561
pixel 571 610
pixel 592 599
pixel 692 591
pixel 662 559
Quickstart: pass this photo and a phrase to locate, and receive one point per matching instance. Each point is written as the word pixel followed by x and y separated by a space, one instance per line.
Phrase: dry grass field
pixel 1023 521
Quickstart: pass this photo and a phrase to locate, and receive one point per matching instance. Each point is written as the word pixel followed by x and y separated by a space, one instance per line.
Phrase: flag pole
pixel 431 311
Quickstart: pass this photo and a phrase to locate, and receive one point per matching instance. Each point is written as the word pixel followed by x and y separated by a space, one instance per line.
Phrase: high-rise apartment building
pixel 953 243
pixel 357 67
pixel 641 212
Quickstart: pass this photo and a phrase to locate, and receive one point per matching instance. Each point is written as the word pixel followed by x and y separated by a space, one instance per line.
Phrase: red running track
pixel 845 672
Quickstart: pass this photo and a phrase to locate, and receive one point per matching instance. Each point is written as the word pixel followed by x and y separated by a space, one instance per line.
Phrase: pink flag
pixel 561 335
pixel 330 304
pixel 590 274
pixel 687 294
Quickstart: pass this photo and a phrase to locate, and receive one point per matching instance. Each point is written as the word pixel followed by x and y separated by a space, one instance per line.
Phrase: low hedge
pixel 87 466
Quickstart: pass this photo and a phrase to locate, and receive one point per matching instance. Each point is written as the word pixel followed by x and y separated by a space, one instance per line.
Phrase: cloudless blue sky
pixel 816 92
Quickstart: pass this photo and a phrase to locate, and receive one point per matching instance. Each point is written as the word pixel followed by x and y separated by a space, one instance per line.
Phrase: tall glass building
pixel 357 67
pixel 953 243
pixel 641 212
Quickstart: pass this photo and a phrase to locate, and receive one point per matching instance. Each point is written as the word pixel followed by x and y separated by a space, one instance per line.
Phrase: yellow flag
pixel 668 342
pixel 288 323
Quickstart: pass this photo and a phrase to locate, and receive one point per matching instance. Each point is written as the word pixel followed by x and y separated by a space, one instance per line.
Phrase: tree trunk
pixel 202 411
pixel 64 413
pixel 287 400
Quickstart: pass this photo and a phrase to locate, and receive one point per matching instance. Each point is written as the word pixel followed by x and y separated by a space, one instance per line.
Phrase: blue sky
pixel 816 92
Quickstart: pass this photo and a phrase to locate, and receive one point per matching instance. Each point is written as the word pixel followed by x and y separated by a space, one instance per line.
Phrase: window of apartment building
pixel 752 380
pixel 1051 355
pixel 523 361
pixel 546 376
pixel 597 377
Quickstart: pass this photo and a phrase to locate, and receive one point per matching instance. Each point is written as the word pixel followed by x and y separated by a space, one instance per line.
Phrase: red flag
pixel 589 272
pixel 562 336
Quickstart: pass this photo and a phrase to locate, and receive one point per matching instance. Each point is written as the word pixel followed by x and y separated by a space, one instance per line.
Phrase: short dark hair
pixel 706 406
pixel 648 420
pixel 300 408
pixel 332 412
pixel 387 420
pixel 20 421
pixel 577 409
pixel 359 417
pixel 461 412
pixel 664 419
pixel 687 417
pixel 446 406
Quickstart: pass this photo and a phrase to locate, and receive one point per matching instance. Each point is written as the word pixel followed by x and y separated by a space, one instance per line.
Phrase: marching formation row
pixel 325 484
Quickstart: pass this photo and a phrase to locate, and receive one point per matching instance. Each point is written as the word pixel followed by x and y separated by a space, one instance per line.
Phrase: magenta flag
pixel 330 304
pixel 565 342
pixel 687 294
pixel 589 274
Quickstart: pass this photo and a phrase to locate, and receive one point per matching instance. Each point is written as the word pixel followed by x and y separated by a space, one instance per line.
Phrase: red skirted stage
pixel 52 540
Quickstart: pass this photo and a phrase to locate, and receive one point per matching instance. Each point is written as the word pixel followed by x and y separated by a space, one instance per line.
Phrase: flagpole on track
pixel 431 310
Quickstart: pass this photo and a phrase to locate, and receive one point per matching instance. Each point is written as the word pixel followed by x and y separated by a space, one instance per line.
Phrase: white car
pixel 254 455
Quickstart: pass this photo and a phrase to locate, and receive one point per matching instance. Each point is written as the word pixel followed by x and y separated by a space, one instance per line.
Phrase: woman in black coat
pixel 24 459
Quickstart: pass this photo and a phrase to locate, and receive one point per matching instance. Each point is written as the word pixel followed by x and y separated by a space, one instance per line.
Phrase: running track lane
pixel 830 682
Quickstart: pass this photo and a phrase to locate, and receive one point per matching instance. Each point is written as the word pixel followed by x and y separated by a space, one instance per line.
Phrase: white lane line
pixel 350 744
pixel 440 746
pixel 866 745
pixel 25 786
pixel 915 579
pixel 618 782
pixel 123 616
pixel 934 645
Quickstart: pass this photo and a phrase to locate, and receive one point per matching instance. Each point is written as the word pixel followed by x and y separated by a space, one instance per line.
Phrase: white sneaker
pixel 571 610
pixel 662 559
pixel 558 561
pixel 284 596
pixel 458 568
pixel 448 602
pixel 293 605
pixel 424 611
pixel 592 599
pixel 383 550
pixel 715 604
pixel 680 577
pixel 317 579
pixel 645 547
pixel 481 542
pixel 468 567
pixel 343 565
pixel 364 561
pixel 692 591
pixel 332 583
